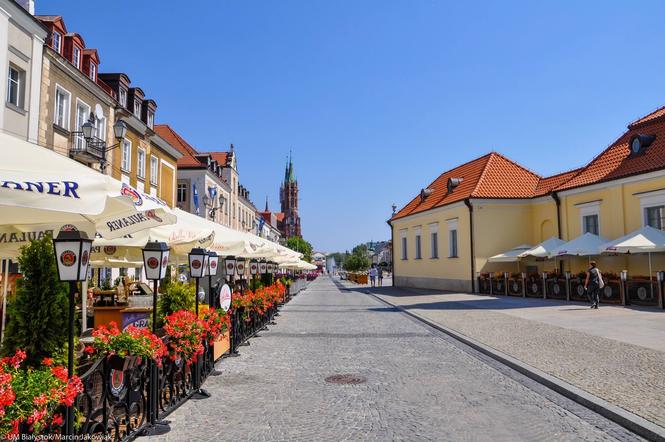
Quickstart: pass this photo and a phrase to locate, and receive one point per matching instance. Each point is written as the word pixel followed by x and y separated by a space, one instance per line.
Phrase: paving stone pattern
pixel 626 375
pixel 418 385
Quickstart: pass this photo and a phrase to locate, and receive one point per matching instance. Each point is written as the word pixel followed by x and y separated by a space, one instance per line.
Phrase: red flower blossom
pixel 47 361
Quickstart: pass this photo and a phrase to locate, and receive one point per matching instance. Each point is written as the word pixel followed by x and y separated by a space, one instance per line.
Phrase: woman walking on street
pixel 593 284
pixel 372 276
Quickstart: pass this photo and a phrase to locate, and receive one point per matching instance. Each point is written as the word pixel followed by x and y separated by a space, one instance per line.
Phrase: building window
pixel 77 57
pixel 181 196
pixel 62 98
pixel 140 163
pixel 434 240
pixel 655 217
pixel 590 224
pixel 126 162
pixel 418 247
pixel 154 170
pixel 123 97
pixel 93 71
pixel 452 253
pixel 100 128
pixel 151 120
pixel 57 42
pixel 82 115
pixel 404 251
pixel 15 80
pixel 137 109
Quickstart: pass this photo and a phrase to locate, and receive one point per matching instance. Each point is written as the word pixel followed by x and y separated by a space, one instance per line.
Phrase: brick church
pixel 288 198
pixel 286 221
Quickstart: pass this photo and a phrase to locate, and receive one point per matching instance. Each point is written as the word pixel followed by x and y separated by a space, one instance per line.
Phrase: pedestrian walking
pixel 372 276
pixel 379 276
pixel 594 284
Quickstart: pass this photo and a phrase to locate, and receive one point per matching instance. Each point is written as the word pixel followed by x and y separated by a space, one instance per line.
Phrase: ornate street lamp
pixel 88 129
pixel 263 267
pixel 198 261
pixel 230 266
pixel 72 254
pixel 155 263
pixel 253 267
pixel 213 263
pixel 240 267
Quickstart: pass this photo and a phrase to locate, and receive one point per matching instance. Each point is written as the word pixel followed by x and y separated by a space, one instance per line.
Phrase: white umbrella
pixel 42 191
pixel 584 245
pixel 644 240
pixel 543 249
pixel 511 255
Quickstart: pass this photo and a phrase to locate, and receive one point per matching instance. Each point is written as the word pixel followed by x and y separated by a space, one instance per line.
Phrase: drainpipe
pixel 467 202
pixel 557 200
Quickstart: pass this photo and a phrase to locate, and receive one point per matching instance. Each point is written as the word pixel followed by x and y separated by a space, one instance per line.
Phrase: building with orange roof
pixel 444 236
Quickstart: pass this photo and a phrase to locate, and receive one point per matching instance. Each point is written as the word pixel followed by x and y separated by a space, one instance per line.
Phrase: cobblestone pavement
pixel 419 385
pixel 626 375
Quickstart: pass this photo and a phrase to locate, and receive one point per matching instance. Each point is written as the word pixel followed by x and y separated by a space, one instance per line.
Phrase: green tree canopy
pixel 38 315
pixel 300 245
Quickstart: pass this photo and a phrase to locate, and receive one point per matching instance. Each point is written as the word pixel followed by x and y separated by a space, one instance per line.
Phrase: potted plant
pixel 125 349
pixel 30 397
pixel 185 332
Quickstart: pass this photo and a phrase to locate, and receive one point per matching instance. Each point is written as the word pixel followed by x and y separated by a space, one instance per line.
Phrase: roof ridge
pixel 644 119
pixel 576 169
pixel 188 147
pixel 483 173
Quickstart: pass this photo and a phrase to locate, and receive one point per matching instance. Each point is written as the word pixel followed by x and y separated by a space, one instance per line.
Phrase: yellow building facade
pixel 443 238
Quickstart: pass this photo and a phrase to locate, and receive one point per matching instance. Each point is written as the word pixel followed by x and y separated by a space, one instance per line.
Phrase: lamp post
pixel 213 263
pixel 155 262
pixel 72 254
pixel 88 128
pixel 229 272
pixel 198 261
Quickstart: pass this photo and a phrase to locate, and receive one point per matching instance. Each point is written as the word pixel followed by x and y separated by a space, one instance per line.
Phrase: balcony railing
pixel 86 150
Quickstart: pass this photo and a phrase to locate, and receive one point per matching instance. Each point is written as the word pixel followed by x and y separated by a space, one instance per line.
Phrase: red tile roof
pixel 490 176
pixel 279 216
pixel 617 162
pixel 220 157
pixel 547 184
pixel 188 160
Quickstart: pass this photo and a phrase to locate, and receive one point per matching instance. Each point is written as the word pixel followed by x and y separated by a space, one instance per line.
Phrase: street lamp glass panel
pixel 206 265
pixel 263 268
pixel 119 130
pixel 230 266
pixel 213 262
pixel 72 253
pixel 155 260
pixel 197 260
pixel 253 267
pixel 240 266
pixel 88 128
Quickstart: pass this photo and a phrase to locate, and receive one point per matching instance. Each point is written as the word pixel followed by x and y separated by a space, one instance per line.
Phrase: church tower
pixel 288 198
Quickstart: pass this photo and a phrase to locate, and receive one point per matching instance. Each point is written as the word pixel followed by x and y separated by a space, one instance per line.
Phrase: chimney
pixel 28 5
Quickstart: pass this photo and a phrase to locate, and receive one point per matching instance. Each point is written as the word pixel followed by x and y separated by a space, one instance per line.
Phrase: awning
pixel 511 255
pixel 645 240
pixel 543 249
pixel 42 191
pixel 584 245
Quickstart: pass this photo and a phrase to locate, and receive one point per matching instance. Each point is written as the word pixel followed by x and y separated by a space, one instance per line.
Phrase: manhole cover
pixel 346 379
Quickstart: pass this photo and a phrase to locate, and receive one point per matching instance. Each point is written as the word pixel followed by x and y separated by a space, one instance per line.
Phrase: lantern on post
pixel 72 255
pixel 263 268
pixel 240 267
pixel 198 258
pixel 213 261
pixel 155 262
pixel 230 266
pixel 253 267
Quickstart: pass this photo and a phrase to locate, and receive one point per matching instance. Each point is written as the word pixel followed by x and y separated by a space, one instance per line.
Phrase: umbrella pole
pixel 84 305
pixel 650 281
pixel 5 281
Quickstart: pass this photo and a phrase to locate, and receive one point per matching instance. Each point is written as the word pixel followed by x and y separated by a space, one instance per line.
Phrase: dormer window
pixel 93 72
pixel 57 42
pixel 122 97
pixel 453 183
pixel 76 58
pixel 137 108
pixel 151 120
pixel 640 142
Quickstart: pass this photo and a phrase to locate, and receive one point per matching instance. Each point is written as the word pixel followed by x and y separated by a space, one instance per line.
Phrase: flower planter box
pixel 498 286
pixel 515 286
pixel 577 292
pixel 534 286
pixel 484 285
pixel 123 364
pixel 639 292
pixel 556 288
pixel 611 293
pixel 221 345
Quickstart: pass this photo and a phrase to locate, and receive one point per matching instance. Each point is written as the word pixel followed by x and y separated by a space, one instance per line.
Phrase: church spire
pixel 266 204
pixel 292 175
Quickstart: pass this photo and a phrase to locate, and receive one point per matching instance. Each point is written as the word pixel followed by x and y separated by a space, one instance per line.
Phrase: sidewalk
pixel 615 353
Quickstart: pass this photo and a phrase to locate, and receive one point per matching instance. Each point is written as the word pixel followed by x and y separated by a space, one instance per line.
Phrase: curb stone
pixel 626 419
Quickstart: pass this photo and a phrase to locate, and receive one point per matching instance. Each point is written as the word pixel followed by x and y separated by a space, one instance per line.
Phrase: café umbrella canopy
pixel 42 192
pixel 584 245
pixel 543 249
pixel 512 255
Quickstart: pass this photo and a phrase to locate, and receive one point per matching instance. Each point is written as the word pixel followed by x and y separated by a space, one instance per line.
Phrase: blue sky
pixel 376 98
